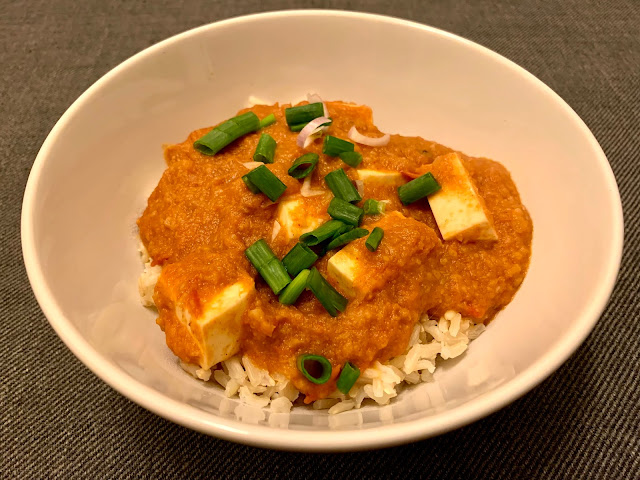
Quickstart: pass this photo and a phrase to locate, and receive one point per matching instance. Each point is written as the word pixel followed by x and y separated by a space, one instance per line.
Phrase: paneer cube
pixel 297 215
pixel 343 267
pixel 217 329
pixel 457 207
pixel 359 271
pixel 201 310
pixel 381 177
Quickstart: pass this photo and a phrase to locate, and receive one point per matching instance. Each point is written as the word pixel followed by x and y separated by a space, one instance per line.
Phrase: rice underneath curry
pixel 432 244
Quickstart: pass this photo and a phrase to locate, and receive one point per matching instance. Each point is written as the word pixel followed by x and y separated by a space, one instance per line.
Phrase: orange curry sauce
pixel 201 217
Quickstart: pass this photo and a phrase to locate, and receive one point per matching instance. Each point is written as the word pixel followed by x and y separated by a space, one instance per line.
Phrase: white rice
pixel 380 383
pixel 148 279
pixel 444 338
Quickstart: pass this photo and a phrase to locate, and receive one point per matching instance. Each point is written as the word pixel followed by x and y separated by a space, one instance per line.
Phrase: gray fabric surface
pixel 60 421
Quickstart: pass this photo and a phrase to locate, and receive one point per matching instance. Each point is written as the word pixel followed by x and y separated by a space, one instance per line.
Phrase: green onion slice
pixel 265 150
pixel 268 265
pixel 373 207
pixel 328 296
pixel 348 377
pixel 291 293
pixel 346 212
pixel 324 246
pixel 263 179
pixel 334 146
pixel 315 368
pixel 323 232
pixel 345 238
pixel 344 229
pixel 299 258
pixel 352 159
pixel 303 114
pixel 259 254
pixel 225 133
pixel 304 165
pixel 275 275
pixel 341 186
pixel 268 120
pixel 298 127
pixel 418 188
pixel 252 188
pixel 374 239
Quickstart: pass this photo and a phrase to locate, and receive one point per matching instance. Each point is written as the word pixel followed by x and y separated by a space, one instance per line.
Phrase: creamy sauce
pixel 201 218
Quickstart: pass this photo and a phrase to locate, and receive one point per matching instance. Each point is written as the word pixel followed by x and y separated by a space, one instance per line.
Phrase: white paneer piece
pixel 381 177
pixel 343 267
pixel 359 271
pixel 346 265
pixel 457 206
pixel 349 263
pixel 217 329
pixel 295 218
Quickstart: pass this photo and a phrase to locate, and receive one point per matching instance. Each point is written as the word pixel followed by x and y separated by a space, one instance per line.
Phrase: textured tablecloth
pixel 60 421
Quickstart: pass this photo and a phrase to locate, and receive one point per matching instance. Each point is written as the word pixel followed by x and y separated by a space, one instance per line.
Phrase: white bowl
pixel 95 170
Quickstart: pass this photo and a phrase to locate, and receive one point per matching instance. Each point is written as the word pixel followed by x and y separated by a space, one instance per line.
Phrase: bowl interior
pixel 93 175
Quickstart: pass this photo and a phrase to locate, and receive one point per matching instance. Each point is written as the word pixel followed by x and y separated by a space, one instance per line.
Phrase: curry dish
pixel 464 248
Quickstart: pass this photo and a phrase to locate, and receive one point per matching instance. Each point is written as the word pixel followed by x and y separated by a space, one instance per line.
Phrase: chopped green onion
pixel 334 146
pixel 266 182
pixel 341 186
pixel 315 368
pixel 373 207
pixel 323 232
pixel 348 377
pixel 225 133
pixel 265 150
pixel 344 229
pixel 418 188
pixel 304 165
pixel 345 238
pixel 328 296
pixel 259 254
pixel 275 275
pixel 339 232
pixel 299 126
pixel 299 258
pixel 268 120
pixel 300 116
pixel 352 159
pixel 290 294
pixel 268 265
pixel 374 239
pixel 344 211
pixel 252 188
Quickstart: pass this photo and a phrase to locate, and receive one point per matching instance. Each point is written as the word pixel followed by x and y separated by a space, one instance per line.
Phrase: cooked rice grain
pixel 447 337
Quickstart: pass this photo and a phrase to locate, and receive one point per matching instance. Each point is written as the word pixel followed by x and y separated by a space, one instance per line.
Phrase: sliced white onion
pixel 360 187
pixel 306 191
pixel 276 230
pixel 310 130
pixel 364 140
pixel 252 165
pixel 315 98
